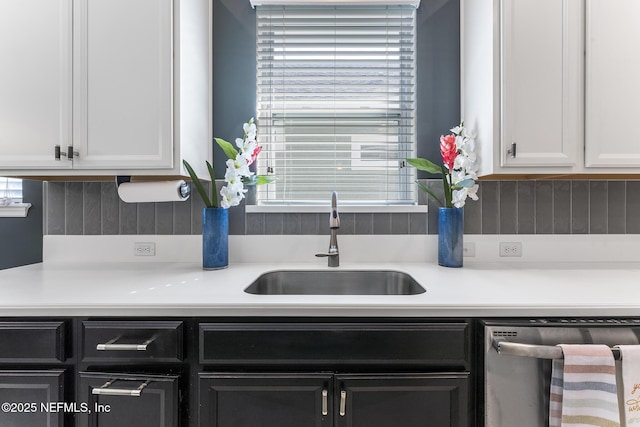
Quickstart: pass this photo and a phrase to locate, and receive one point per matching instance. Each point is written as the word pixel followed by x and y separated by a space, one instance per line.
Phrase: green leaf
pixel 447 188
pixel 258 180
pixel 468 183
pixel 198 185
pixel 430 192
pixel 214 189
pixel 424 165
pixel 227 147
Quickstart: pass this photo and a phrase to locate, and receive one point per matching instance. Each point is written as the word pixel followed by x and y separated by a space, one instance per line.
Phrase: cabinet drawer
pixel 132 341
pixel 335 344
pixel 118 399
pixel 32 341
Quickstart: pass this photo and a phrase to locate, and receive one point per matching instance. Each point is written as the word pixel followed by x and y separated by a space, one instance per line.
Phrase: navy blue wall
pixel 21 238
pixel 438 72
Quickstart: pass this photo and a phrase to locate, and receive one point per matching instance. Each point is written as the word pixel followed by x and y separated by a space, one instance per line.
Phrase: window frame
pixel 408 185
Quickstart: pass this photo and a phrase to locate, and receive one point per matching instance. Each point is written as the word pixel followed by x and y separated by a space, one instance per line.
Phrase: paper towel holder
pixel 184 191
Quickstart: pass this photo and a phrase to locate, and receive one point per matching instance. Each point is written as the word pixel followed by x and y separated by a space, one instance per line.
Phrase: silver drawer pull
pixel 132 392
pixel 343 403
pixel 111 345
pixel 325 402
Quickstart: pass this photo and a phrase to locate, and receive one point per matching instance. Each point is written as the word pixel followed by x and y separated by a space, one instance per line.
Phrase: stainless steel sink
pixel 335 282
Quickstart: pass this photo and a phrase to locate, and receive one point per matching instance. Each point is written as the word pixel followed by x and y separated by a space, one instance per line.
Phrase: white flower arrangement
pixel 459 169
pixel 238 173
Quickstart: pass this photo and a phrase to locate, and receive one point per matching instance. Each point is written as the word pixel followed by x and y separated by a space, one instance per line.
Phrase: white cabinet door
pixel 541 105
pixel 613 83
pixel 123 91
pixel 35 82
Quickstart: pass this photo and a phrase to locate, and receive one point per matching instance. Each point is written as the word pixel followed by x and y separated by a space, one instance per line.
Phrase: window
pixel 336 103
pixel 10 190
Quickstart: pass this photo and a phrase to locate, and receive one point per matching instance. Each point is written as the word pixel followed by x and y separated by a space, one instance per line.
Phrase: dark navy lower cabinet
pixel 341 400
pixel 237 372
pixel 249 400
pixel 335 373
pixel 36 377
pixel 407 400
pixel 118 400
pixel 32 398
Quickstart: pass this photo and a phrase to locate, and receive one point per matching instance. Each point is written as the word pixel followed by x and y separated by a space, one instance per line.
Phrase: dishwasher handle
pixel 507 348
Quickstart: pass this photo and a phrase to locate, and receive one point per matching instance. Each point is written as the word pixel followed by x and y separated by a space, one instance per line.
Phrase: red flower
pixel 448 150
pixel 254 155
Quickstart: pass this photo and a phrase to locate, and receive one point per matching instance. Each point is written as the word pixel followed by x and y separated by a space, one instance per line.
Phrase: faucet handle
pixel 327 254
pixel 333 257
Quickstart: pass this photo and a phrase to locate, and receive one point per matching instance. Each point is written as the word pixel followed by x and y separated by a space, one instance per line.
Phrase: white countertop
pixel 67 284
pixel 184 289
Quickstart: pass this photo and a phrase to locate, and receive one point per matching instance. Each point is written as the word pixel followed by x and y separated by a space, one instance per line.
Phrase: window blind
pixel 336 103
pixel 10 190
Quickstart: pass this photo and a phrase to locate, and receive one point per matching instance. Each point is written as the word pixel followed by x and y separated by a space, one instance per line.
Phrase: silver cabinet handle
pixel 68 154
pixel 325 402
pixel 343 403
pixel 71 153
pixel 132 392
pixel 111 345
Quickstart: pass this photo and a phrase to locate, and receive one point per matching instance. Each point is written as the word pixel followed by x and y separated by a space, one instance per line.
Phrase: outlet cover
pixel 469 249
pixel 144 249
pixel 511 249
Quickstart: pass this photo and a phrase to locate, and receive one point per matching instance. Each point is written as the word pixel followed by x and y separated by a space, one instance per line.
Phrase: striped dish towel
pixel 555 393
pixel 583 388
pixel 630 396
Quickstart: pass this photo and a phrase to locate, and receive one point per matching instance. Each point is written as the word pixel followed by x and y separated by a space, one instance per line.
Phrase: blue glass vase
pixel 215 238
pixel 450 232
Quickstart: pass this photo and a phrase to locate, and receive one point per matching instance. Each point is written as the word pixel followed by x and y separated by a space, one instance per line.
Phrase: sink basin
pixel 338 282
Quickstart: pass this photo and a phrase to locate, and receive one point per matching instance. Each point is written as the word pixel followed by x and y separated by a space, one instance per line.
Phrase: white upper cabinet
pixel 541 85
pixel 141 84
pixel 612 83
pixel 123 84
pixel 35 82
pixel 523 85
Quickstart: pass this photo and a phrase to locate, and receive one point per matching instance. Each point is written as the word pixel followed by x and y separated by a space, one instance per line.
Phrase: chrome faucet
pixel 332 254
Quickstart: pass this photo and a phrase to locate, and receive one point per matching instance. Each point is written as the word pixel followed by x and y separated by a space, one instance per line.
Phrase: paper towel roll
pixel 154 191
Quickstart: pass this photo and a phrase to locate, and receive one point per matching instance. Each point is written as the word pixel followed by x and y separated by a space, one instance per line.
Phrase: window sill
pixel 16 210
pixel 341 209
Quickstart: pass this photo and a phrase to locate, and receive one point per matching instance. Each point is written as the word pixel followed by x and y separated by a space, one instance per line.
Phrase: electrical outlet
pixel 511 249
pixel 469 249
pixel 144 249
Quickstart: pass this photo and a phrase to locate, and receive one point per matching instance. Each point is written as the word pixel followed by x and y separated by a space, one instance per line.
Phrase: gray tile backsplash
pixel 543 207
pixel 598 213
pixel 109 207
pixel 490 203
pixel 632 218
pixel 616 198
pixel 526 207
pixel 562 207
pixel 505 207
pixel 508 207
pixel 580 207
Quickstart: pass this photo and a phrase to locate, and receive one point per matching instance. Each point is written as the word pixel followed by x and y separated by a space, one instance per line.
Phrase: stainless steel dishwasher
pixel 517 362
